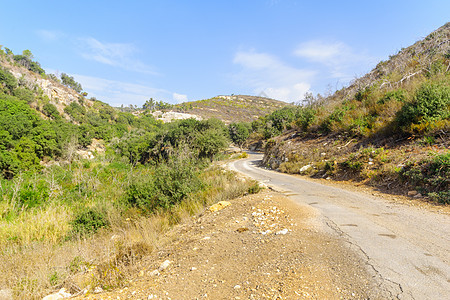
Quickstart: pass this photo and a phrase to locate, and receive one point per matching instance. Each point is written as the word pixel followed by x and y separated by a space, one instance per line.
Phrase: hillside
pixel 43 88
pixel 234 108
pixel 389 129
pixel 425 58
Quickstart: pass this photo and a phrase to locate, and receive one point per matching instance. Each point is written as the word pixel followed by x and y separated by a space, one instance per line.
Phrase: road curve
pixel 407 247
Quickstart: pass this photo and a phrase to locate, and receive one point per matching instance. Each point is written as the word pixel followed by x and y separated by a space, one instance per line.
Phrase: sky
pixel 126 52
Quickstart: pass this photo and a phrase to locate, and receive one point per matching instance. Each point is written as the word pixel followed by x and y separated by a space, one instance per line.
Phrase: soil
pixel 262 246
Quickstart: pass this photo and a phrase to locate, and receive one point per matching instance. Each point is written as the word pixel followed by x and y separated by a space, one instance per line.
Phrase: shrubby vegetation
pixel 52 199
pixel 384 110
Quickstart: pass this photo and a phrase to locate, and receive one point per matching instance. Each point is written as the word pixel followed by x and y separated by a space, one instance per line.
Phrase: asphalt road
pixel 407 247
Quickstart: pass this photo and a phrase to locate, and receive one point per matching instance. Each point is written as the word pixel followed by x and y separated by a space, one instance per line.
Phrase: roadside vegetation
pixel 68 221
pixel 389 129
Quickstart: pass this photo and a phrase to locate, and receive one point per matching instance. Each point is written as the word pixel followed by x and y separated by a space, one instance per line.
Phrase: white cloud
pixel 340 59
pixel 114 54
pixel 49 35
pixel 266 74
pixel 179 98
pixel 323 52
pixel 117 93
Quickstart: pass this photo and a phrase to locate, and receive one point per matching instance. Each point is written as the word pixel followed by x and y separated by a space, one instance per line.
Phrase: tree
pixel 239 133
pixel 28 54
pixel 149 104
pixel 69 81
pixel 210 142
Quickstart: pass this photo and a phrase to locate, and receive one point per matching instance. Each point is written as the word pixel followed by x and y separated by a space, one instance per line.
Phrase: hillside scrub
pixel 369 131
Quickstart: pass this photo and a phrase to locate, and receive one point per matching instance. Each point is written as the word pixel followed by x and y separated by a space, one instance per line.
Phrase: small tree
pixel 239 133
pixel 69 81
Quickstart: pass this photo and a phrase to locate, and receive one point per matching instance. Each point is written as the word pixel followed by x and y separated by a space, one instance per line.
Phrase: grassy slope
pixel 236 108
pixel 386 129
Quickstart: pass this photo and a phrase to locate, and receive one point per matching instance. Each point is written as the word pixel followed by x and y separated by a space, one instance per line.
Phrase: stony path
pixel 262 246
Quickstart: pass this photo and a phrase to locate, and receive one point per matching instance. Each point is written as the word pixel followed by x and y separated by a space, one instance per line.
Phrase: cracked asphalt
pixel 407 247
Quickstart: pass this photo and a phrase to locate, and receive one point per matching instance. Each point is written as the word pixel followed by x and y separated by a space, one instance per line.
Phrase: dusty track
pixel 407 247
pixel 262 246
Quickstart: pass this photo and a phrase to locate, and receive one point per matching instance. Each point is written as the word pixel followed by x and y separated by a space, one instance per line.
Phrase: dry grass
pixel 41 261
pixel 49 224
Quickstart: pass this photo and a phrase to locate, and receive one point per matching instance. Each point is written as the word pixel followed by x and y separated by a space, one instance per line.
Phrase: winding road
pixel 407 248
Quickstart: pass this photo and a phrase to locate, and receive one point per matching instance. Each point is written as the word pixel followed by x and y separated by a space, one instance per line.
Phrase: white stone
pixel 154 273
pixel 305 168
pixel 283 232
pixel 165 265
pixel 61 294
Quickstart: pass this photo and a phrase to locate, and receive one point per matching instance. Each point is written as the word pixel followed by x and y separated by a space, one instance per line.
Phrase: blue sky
pixel 124 52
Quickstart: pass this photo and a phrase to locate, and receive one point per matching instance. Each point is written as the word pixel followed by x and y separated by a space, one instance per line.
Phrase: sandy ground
pixel 262 246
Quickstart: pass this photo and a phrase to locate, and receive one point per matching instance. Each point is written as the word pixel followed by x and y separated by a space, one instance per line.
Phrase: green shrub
pixel 7 79
pixel 431 176
pixel 431 103
pixel 51 111
pixel 305 117
pixel 33 194
pixel 254 188
pixel 170 184
pixel 352 164
pixel 397 95
pixel 88 221
pixel 337 116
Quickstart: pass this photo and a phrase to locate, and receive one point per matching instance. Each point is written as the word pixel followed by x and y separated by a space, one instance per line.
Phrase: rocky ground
pixel 262 246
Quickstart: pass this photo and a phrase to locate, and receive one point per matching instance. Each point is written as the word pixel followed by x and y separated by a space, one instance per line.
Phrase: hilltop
pixel 233 108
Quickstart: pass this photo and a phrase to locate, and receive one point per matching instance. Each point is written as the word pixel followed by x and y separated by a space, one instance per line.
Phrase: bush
pixel 170 184
pixel 305 117
pixel 51 111
pixel 88 221
pixel 7 79
pixel 33 195
pixel 431 176
pixel 397 95
pixel 431 103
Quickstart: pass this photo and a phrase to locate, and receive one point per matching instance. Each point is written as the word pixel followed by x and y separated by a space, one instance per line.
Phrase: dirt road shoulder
pixel 262 246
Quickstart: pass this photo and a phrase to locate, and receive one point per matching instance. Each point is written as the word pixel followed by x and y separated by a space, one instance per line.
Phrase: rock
pixel 412 193
pixel 61 294
pixel 98 290
pixel 154 273
pixel 151 296
pixel 193 268
pixel 418 195
pixel 219 206
pixel 237 286
pixel 6 294
pixel 305 168
pixel 164 265
pixel 262 185
pixel 282 232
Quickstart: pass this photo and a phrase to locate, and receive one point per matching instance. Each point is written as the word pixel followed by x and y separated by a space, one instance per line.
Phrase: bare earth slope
pixel 263 246
pixel 409 247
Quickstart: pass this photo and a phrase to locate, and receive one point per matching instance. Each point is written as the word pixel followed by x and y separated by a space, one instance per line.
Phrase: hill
pixel 389 128
pixel 229 109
